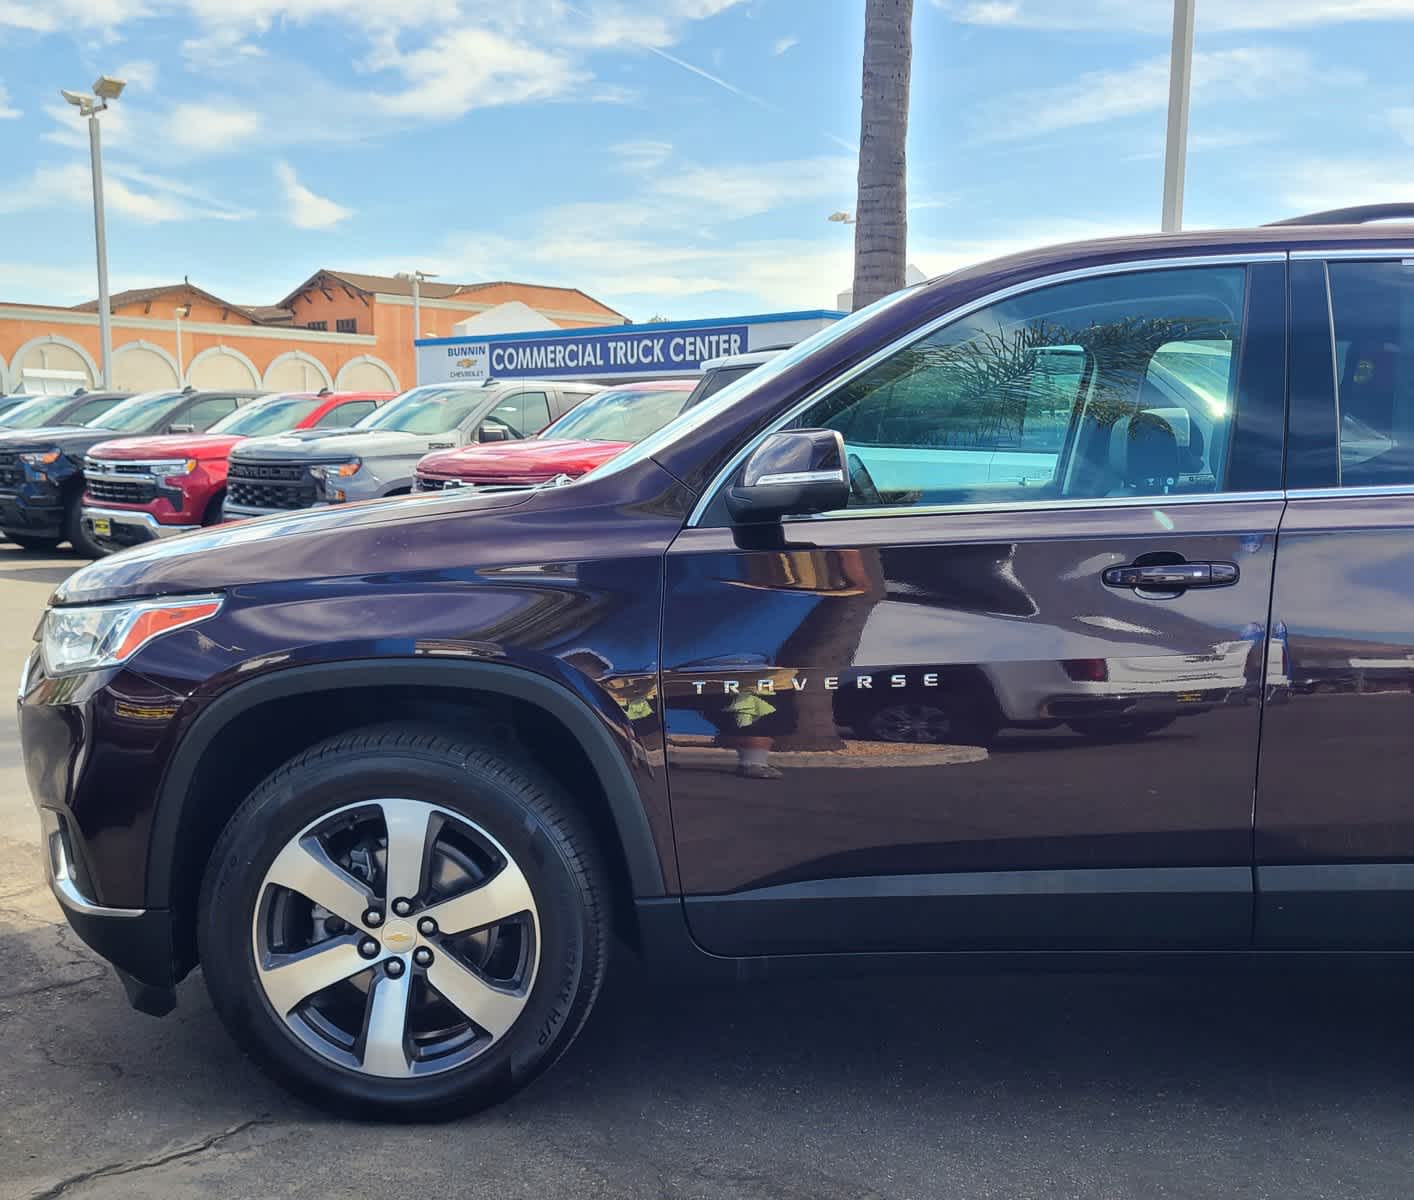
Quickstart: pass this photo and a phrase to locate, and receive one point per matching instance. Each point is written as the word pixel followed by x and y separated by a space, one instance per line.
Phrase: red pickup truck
pixel 606 424
pixel 142 488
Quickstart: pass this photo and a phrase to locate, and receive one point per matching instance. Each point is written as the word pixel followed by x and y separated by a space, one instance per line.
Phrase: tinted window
pixel 1373 307
pixel 715 382
pixel 345 414
pixel 1119 385
pixel 42 410
pixel 431 409
pixel 205 412
pixel 141 413
pixel 85 413
pixel 276 415
pixel 521 414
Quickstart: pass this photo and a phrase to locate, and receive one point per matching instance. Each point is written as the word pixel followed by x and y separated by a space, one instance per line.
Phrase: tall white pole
pixel 1180 89
pixel 177 313
pixel 105 318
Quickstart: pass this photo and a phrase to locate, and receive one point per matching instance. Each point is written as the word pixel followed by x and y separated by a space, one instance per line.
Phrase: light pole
pixel 179 314
pixel 415 278
pixel 105 88
pixel 1180 87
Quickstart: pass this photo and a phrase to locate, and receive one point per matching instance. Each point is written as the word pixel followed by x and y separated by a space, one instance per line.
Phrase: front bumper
pixel 129 527
pixel 33 509
pixel 136 941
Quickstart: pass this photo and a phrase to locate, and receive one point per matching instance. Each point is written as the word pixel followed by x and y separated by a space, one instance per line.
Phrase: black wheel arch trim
pixel 628 813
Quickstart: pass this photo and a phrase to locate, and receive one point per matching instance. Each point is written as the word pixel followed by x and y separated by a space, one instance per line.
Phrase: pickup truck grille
pixel 12 473
pixel 430 483
pixel 104 480
pixel 270 485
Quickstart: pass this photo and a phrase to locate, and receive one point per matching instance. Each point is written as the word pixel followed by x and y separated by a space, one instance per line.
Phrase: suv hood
pixel 168 445
pixel 298 545
pixel 531 460
pixel 316 445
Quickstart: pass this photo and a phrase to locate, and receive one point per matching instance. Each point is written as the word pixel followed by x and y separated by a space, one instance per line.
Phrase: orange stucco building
pixel 340 329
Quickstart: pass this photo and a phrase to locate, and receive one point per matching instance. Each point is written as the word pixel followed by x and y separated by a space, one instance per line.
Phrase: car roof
pixel 752 358
pixel 651 385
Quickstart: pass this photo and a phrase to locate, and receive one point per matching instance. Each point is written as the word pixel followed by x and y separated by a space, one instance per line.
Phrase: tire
pixel 922 723
pixel 77 535
pixel 1119 729
pixel 481 802
pixel 25 542
pixel 215 510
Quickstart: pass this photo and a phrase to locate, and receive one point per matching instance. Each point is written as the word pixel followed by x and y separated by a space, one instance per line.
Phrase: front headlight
pixel 333 471
pixel 90 638
pixel 40 458
pixel 179 466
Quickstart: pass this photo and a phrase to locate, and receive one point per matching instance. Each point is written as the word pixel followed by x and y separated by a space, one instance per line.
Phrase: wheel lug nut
pixel 427 927
pixel 402 906
pixel 368 948
pixel 373 918
pixel 422 956
pixel 394 967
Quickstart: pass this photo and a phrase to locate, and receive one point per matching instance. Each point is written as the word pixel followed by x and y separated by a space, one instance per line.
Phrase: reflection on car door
pixel 1334 821
pixel 945 725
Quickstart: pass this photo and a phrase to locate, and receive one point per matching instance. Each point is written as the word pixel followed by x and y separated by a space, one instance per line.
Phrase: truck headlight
pixel 104 635
pixel 330 475
pixel 40 458
pixel 178 466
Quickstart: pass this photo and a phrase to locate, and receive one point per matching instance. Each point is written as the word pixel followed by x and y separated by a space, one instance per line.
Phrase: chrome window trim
pixel 1339 493
pixel 1339 252
pixel 1006 506
pixel 1120 268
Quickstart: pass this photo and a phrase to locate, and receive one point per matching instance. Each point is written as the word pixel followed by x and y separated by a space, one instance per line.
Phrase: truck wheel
pixel 77 535
pixel 25 542
pixel 404 923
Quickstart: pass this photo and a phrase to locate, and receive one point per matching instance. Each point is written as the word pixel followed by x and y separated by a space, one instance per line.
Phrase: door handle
pixel 1171 576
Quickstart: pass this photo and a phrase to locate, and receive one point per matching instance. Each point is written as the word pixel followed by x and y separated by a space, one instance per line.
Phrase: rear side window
pixel 1373 307
pixel 1111 386
pixel 715 381
pixel 94 408
pixel 205 412
pixel 521 414
pixel 346 414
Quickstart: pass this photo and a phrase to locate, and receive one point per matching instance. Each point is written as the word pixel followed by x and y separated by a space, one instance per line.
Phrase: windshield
pixel 42 410
pixel 619 416
pixel 703 414
pixel 138 414
pixel 276 415
pixel 426 410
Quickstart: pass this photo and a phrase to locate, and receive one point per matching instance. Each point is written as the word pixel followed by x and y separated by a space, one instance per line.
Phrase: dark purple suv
pixel 1061 608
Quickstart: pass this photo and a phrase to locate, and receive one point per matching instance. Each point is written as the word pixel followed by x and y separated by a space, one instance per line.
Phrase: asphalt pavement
pixel 1241 1085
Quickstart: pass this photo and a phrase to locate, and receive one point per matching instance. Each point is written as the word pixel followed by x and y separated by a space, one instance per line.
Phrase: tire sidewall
pixel 276 814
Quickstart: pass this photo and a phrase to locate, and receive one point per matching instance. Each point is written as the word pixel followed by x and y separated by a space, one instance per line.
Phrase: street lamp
pixel 105 88
pixel 415 278
pixel 180 314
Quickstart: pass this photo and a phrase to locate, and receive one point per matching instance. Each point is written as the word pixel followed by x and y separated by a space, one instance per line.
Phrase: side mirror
pixel 793 473
pixel 183 428
pixel 494 433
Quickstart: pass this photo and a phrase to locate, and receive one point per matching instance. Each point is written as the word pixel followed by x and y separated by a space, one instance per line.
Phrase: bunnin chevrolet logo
pixel 795 681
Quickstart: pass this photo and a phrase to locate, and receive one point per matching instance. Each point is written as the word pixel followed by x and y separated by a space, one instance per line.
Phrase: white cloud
pixel 140 74
pixel 643 154
pixel 784 44
pixel 471 68
pixel 219 48
pixel 8 111
pixel 64 16
pixel 1317 183
pixel 1156 16
pixel 747 190
pixel 69 185
pixel 209 128
pixel 306 209
pixel 1250 73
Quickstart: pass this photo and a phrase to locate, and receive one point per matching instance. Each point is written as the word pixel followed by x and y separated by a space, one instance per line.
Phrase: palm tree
pixel 881 219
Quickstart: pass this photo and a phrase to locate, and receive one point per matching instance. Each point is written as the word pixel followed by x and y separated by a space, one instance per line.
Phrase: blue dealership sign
pixel 620 351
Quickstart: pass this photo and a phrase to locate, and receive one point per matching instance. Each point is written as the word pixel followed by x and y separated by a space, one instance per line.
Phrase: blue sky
pixel 668 156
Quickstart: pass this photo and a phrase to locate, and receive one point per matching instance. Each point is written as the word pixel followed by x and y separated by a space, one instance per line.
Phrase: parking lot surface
pixel 1243 1084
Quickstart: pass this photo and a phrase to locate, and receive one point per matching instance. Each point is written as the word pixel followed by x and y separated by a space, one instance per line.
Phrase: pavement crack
pixel 40 989
pixel 148 1164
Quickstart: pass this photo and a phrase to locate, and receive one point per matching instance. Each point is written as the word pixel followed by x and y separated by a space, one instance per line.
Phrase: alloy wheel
pixel 396 938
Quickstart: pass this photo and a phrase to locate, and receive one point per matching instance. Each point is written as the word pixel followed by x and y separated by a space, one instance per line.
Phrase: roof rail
pixel 1358 214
